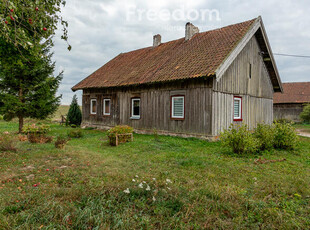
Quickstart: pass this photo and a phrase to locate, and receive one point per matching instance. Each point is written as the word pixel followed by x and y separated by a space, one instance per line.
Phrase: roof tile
pixel 174 60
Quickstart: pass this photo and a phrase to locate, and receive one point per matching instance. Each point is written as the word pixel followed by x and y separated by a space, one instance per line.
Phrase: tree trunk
pixel 21 124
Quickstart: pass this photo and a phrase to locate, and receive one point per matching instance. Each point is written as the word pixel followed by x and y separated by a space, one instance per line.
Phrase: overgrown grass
pixel 82 186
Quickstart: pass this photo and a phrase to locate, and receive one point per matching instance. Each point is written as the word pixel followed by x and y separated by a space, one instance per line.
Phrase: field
pixel 189 184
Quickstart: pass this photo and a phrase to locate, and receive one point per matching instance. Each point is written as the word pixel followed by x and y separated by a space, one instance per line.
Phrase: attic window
pixel 237 108
pixel 93 106
pixel 177 107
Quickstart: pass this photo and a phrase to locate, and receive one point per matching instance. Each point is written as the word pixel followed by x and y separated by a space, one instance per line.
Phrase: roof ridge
pixel 204 32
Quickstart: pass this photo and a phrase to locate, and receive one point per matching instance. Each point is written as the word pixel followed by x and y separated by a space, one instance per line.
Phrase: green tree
pixel 305 114
pixel 27 85
pixel 74 116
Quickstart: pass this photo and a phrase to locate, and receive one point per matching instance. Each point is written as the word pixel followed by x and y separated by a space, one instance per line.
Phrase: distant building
pixel 197 85
pixel 290 103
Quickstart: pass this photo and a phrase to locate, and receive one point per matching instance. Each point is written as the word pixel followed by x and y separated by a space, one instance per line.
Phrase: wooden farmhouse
pixel 194 86
pixel 289 104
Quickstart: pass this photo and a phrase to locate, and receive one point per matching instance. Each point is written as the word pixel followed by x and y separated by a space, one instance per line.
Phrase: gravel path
pixel 303 133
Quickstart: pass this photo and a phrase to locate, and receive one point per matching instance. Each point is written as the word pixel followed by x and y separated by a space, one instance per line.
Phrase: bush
pixel 265 134
pixel 283 121
pixel 240 139
pixel 285 136
pixel 36 129
pixel 305 114
pixel 120 129
pixel 74 116
pixel 7 142
pixel 76 133
pixel 1 117
pixel 36 133
pixel 61 142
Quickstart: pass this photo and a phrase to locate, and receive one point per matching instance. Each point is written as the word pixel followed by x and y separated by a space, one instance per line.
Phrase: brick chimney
pixel 156 40
pixel 190 31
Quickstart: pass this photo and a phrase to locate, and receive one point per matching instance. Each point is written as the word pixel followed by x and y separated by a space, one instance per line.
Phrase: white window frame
pixel 104 112
pixel 172 107
pixel 91 106
pixel 132 108
pixel 240 108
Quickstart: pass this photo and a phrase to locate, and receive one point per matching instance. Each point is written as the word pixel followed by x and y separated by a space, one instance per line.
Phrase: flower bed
pixel 120 134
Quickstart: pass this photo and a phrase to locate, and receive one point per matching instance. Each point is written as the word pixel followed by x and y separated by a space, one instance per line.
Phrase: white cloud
pixel 98 31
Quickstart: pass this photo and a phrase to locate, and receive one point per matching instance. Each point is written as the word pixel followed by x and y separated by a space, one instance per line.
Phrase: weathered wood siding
pixel 256 92
pixel 287 111
pixel 155 104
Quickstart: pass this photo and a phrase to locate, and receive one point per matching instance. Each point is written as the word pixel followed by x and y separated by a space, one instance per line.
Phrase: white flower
pixel 133 180
pixel 137 176
pixel 126 191
pixel 144 182
pixel 154 199
pixel 154 178
pixel 168 188
pixel 255 178
pixel 140 185
pixel 168 181
pixel 148 188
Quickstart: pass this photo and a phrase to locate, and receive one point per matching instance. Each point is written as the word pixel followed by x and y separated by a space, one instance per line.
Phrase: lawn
pixel 193 184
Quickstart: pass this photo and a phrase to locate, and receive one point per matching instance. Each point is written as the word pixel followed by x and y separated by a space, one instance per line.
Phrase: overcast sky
pixel 101 29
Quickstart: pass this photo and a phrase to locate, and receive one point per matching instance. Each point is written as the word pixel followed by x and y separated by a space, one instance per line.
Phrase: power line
pixel 292 55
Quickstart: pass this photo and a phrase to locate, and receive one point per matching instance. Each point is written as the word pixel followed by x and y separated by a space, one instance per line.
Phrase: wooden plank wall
pixel 256 92
pixel 156 105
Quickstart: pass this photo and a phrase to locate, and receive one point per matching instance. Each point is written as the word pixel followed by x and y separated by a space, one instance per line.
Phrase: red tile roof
pixel 178 59
pixel 295 92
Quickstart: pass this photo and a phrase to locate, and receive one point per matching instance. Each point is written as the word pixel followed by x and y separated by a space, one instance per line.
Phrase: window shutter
pixel 236 108
pixel 178 107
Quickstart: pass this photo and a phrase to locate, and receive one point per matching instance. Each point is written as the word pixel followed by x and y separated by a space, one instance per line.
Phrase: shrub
pixel 1 117
pixel 283 121
pixel 36 129
pixel 74 116
pixel 120 129
pixel 265 134
pixel 61 141
pixel 76 133
pixel 7 142
pixel 36 133
pixel 117 130
pixel 240 139
pixel 285 136
pixel 305 114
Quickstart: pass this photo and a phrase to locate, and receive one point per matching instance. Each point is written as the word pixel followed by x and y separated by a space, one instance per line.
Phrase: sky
pixel 101 29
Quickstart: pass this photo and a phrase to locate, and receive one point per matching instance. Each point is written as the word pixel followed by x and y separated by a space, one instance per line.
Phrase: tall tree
pixel 74 116
pixel 27 85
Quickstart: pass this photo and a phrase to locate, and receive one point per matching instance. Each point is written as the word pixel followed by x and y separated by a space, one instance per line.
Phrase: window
pixel 135 108
pixel 250 70
pixel 177 107
pixel 237 109
pixel 106 107
pixel 93 106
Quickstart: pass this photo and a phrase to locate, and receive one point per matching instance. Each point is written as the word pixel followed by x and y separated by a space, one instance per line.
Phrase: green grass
pixel 211 188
